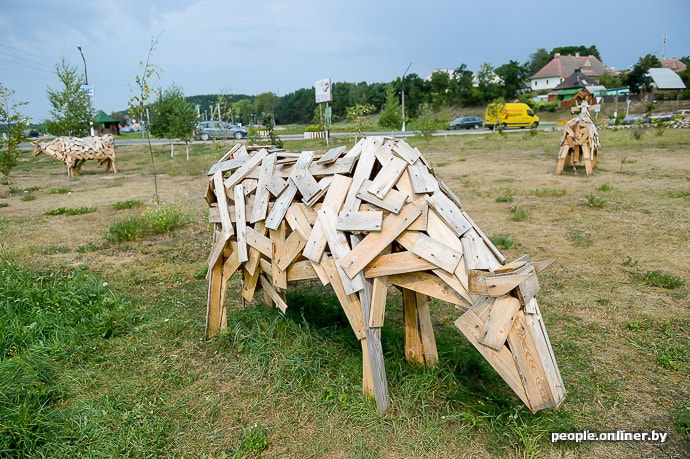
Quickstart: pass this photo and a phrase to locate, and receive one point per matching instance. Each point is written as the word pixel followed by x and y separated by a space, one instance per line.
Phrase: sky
pixel 232 47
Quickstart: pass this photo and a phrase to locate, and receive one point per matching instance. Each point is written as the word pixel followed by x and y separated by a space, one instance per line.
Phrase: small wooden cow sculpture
pixel 74 151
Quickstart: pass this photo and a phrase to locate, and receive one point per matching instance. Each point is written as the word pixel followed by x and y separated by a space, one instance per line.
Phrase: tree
pixel 637 79
pixel 13 132
pixel 243 109
pixel 391 113
pixel 493 113
pixel 512 75
pixel 173 117
pixel 538 60
pixel 426 122
pixel 139 103
pixel 265 103
pixel 440 87
pixel 573 50
pixel 488 82
pixel 70 112
pixel 610 81
pixel 357 115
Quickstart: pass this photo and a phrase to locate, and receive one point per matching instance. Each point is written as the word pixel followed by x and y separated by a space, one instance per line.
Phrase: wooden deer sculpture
pixel 579 143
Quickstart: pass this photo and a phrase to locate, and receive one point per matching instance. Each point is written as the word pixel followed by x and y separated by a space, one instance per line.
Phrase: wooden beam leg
pixel 414 351
pixel 426 330
pixel 215 304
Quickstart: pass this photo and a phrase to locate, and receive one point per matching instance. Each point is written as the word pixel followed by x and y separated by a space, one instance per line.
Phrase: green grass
pixel 155 220
pixel 678 194
pixel 502 242
pixel 59 190
pixel 4 204
pixel 46 320
pixel 518 214
pixel 660 279
pixel 595 201
pixel 580 238
pixel 28 197
pixel 129 204
pixel 71 211
pixel 504 199
pixel 550 192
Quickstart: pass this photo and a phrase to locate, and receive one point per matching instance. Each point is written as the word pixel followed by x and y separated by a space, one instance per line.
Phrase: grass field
pixel 103 297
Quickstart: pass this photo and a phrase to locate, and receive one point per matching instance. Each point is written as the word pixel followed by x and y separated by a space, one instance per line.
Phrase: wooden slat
pixel 426 330
pixel 350 303
pixel 260 208
pixel 449 212
pixel 361 174
pixel 437 253
pixel 428 284
pixel 502 361
pixel 331 155
pixel 374 243
pixel 302 178
pixel 360 221
pixel 245 169
pixel 406 152
pixel 396 263
pixel 316 243
pixel 273 294
pixel 421 179
pixel 241 223
pixel 221 195
pixel 301 270
pixel 227 165
pixel 339 247
pixel 499 322
pixel 260 242
pixel 378 301
pixel 392 202
pixel 289 250
pixel 387 177
pixel 275 217
pixel 414 351
pixel 278 237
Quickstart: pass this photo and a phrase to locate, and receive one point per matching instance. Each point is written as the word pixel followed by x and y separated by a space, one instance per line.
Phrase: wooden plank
pixel 499 322
pixel 535 323
pixel 275 217
pixel 241 224
pixel 273 294
pixel 260 242
pixel 499 258
pixel 221 196
pixel 302 178
pixel 428 284
pixel 301 270
pixel 316 243
pixel 414 351
pixel 396 263
pixel 477 257
pixel 392 202
pixel 406 152
pixel 276 185
pixel 260 208
pixel 215 306
pixel 437 253
pixel 528 288
pixel 378 301
pixel 342 166
pixel 530 366
pixel 350 303
pixel 278 237
pixel 449 212
pixel 362 172
pixel 375 242
pixel 297 219
pixel 374 371
pixel 331 155
pixel 227 165
pixel 426 330
pixel 339 247
pixel 421 179
pixel 359 221
pixel 387 177
pixel 289 250
pixel 502 361
pixel 245 169
pixel 220 239
pixel 486 283
pixel 250 280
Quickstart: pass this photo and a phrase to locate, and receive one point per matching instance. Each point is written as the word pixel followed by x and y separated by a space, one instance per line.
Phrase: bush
pixel 157 220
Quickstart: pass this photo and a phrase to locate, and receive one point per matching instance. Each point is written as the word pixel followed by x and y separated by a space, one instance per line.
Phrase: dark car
pixel 466 122
pixel 218 130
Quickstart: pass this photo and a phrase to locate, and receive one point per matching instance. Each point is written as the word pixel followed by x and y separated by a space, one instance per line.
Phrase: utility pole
pixel 86 78
pixel 402 84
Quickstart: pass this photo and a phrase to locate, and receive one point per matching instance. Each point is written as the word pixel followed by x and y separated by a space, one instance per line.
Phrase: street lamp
pixel 402 84
pixel 86 77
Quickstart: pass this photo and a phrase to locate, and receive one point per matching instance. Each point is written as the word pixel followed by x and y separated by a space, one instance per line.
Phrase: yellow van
pixel 513 115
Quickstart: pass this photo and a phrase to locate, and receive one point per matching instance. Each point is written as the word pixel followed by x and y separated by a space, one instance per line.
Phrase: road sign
pixel 88 89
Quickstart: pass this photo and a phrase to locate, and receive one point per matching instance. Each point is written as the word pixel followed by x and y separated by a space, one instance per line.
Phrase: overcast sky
pixel 232 47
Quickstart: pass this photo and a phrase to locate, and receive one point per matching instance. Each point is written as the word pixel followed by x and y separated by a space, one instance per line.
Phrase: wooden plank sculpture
pixel 75 151
pixel 363 220
pixel 579 142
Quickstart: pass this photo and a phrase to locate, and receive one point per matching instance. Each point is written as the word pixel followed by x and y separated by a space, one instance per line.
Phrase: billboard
pixel 322 89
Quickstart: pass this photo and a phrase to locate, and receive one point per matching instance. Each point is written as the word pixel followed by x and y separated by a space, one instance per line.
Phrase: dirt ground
pixel 632 216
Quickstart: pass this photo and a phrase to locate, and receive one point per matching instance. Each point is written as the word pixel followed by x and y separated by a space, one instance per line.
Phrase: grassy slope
pixel 290 386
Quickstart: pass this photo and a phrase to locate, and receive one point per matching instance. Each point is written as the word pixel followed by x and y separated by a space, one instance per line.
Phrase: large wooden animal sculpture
pixel 579 143
pixel 75 151
pixel 363 220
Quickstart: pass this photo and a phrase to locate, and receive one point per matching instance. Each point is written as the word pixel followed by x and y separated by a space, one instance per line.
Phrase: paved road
pixel 334 135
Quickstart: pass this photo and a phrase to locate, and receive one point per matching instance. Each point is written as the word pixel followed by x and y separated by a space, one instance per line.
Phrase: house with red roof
pixel 561 67
pixel 674 64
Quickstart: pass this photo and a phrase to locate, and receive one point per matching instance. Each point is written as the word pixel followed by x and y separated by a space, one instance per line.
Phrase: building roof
pixel 576 80
pixel 101 117
pixel 666 79
pixel 674 64
pixel 564 66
